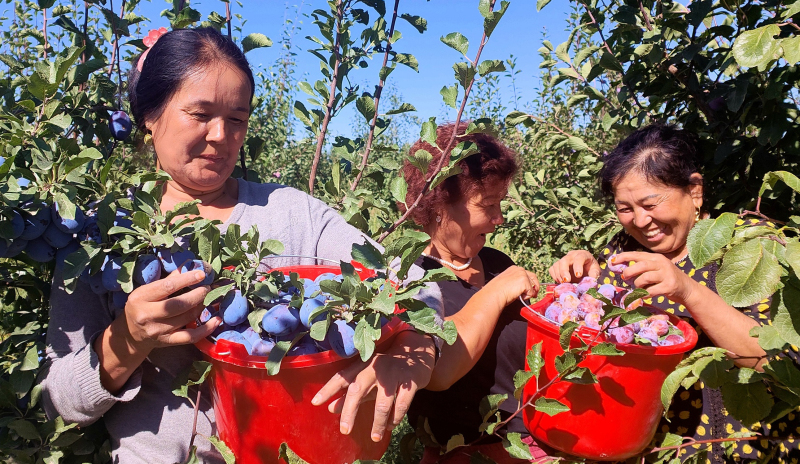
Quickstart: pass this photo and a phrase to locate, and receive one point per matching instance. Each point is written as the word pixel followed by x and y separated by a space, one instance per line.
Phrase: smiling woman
pixel 653 180
pixel 192 98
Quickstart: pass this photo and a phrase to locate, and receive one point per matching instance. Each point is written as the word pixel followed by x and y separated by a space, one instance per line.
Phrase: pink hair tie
pixel 149 41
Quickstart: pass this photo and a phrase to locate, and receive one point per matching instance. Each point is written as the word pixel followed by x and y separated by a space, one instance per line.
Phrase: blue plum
pixel 199 265
pixel 280 320
pixel 120 125
pixel 308 307
pixel 17 223
pixel 147 269
pixel 235 337
pixel 62 253
pixel 262 348
pixel 118 299
pixel 56 237
pixel 327 276
pixel 111 274
pixel 36 222
pixel 234 307
pixel 206 315
pixel 172 260
pixel 309 288
pixel 40 251
pixel 340 336
pixel 70 226
pixel 607 290
pixel 306 345
pixel 13 249
pixel 96 284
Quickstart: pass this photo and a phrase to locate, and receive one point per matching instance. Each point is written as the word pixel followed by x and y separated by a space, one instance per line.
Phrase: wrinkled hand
pixel 655 273
pixel 153 318
pixel 391 378
pixel 513 283
pixel 576 265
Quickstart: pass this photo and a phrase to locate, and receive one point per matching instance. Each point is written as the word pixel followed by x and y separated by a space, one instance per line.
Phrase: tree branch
pixel 445 151
pixel 378 91
pixel 331 97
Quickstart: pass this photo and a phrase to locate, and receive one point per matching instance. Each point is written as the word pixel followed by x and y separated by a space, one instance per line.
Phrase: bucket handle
pixel 303 256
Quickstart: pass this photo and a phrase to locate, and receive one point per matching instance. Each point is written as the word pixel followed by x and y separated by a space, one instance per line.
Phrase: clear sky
pixel 519 33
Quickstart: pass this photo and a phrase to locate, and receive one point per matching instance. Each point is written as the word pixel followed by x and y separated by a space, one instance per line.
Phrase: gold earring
pixel 697 215
pixel 148 139
pixel 438 218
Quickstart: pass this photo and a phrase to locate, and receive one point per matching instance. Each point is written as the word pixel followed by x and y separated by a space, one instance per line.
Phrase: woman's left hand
pixel 390 378
pixel 655 273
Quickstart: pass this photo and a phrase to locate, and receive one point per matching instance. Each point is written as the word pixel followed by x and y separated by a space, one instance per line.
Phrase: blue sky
pixel 519 33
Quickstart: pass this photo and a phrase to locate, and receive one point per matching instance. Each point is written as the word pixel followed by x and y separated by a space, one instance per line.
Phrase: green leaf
pixel 606 349
pixel 792 255
pixel 757 47
pixel 279 351
pixel 366 106
pixel 286 453
pixel 709 236
pixel 581 375
pixel 748 403
pixel 771 178
pixel 428 132
pixel 368 255
pixel 491 66
pixel 521 378
pixel 24 429
pixel 255 40
pixel 223 449
pixel 541 4
pixel 365 336
pixel 791 49
pixel 672 383
pixel 217 293
pixel 513 444
pixel 456 41
pixel 449 95
pixel 535 360
pixel 490 403
pixel 748 274
pixel 550 406
pixel 464 73
pixel 769 338
pixel 577 144
pixel 565 334
pixel 517 117
pixel 403 108
pixel 399 189
pixel 454 442
pixel 419 23
pixel 408 60
pixel 490 22
pixel 195 374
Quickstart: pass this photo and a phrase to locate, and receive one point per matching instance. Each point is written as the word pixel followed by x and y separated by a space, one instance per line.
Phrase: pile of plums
pixel 572 303
pixel 287 316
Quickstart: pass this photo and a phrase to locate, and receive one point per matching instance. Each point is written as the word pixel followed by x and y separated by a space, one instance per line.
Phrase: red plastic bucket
pixel 615 418
pixel 256 412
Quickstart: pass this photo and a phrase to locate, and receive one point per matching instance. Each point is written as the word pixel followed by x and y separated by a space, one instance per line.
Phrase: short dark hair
pixel 174 57
pixel 494 164
pixel 660 152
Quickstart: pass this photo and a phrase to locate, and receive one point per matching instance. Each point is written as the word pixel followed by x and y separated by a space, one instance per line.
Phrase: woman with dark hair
pixel 653 180
pixel 191 93
pixel 483 303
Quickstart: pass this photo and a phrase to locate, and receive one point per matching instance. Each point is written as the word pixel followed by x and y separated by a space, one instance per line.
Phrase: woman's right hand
pixel 153 318
pixel 513 283
pixel 576 265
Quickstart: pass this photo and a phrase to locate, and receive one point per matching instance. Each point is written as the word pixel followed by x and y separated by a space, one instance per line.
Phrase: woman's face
pixel 658 216
pixel 198 135
pixel 465 224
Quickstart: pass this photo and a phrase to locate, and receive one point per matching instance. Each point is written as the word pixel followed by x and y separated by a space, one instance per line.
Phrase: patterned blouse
pixel 699 411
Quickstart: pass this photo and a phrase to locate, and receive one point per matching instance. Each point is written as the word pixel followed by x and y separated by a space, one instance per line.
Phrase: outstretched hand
pixel 390 378
pixel 513 283
pixel 574 266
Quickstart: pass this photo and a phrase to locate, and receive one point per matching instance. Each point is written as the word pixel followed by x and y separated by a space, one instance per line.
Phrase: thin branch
pixel 560 130
pixel 378 92
pixel 44 32
pixel 646 17
pixel 445 151
pixel 228 17
pixel 194 421
pixel 331 97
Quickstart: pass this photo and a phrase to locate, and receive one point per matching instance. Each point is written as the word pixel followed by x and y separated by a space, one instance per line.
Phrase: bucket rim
pixel 594 336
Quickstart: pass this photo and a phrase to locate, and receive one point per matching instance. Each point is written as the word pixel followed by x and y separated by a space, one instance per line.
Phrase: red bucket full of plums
pixel 257 412
pixel 615 418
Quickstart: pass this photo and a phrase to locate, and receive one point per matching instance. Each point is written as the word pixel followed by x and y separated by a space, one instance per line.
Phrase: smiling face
pixel 198 135
pixel 462 232
pixel 658 216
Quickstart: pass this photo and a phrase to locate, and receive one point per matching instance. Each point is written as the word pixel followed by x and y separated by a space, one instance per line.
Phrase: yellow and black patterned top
pixel 699 411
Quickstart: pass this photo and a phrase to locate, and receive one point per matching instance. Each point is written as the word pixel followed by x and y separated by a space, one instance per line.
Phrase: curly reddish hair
pixel 494 164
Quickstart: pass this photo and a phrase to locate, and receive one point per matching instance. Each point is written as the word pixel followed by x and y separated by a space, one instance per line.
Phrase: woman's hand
pixel 576 265
pixel 726 326
pixel 391 378
pixel 153 318
pixel 511 284
pixel 655 273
